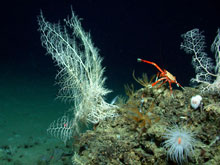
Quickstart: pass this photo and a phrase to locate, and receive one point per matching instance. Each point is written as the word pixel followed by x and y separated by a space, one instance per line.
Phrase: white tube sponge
pixel 215 48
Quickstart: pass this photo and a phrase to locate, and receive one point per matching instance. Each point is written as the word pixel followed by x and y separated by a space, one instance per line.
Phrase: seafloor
pixel 27 107
pixel 136 135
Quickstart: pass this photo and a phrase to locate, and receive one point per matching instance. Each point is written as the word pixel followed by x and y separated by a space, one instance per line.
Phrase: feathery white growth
pixel 80 73
pixel 207 73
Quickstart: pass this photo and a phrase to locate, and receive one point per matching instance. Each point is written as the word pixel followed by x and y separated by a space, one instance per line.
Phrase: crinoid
pixel 144 81
pixel 141 117
pixel 129 90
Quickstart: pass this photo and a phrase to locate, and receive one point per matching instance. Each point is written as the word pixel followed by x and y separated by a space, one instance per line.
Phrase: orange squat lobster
pixel 164 74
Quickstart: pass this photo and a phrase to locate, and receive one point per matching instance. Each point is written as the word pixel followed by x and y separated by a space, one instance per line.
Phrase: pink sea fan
pixel 179 144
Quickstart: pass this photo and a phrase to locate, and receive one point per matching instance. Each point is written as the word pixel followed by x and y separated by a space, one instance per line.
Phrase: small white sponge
pixel 196 101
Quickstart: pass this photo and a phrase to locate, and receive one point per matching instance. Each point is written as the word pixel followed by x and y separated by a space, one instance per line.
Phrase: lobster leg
pixel 162 83
pixel 161 79
pixel 171 90
pixel 152 63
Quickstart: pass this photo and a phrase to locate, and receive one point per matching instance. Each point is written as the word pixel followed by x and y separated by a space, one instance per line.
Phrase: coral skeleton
pixel 207 74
